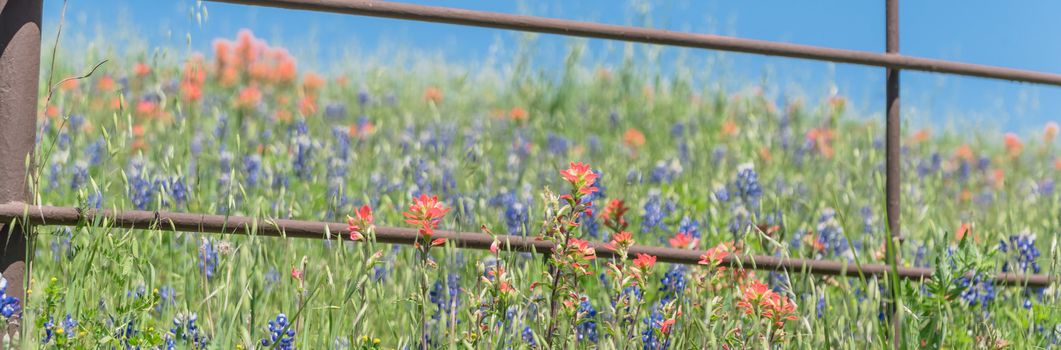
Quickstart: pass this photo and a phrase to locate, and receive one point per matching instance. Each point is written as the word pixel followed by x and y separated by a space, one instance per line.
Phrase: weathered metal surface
pixel 243 225
pixel 20 42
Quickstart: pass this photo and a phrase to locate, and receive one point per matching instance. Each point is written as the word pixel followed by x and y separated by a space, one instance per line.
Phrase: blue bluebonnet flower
pixel 221 126
pixel 446 299
pixel 363 97
pixel 186 331
pixel 335 111
pixel 722 193
pixel 718 154
pixel 528 336
pixel 9 306
pixel 830 239
pixel 919 257
pixel 587 326
pixel 558 145
pixel 650 337
pixel 929 166
pixel 516 214
pixel 983 163
pixel 672 284
pixel 655 211
pixel 167 297
pixel 178 191
pixel 602 190
pixel 94 200
pixel 252 169
pixel 747 186
pixel 633 177
pixel 819 307
pixel 207 258
pixel 980 290
pixel 666 171
pixel 136 293
pixel 61 244
pixel 94 151
pixel 868 220
pixel 1023 254
pixel 278 338
pixel 594 144
pixel 80 175
pixel 141 190
pixel 689 226
pixel 49 330
pixel 301 164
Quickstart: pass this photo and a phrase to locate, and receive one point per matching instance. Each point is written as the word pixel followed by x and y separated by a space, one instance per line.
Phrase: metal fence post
pixel 893 163
pixel 20 41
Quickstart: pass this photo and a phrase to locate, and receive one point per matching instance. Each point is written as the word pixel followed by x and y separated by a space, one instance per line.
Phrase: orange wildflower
pixel 433 94
pixel 312 82
pixel 921 136
pixel 1013 144
pixel 965 229
pixel 68 85
pixel 518 114
pixel 105 83
pixel 634 138
pixel 249 97
pixel 684 241
pixel 644 262
pixel 1050 131
pixel 51 111
pixel 964 152
pixel 764 153
pixel 307 106
pixel 729 128
pixel 248 48
pixel 286 71
pixel 821 138
pixel 223 52
pixel 146 108
pixel 260 71
pixel 713 256
pixel 141 69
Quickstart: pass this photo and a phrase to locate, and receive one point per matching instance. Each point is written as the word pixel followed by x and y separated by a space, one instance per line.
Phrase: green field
pixel 244 130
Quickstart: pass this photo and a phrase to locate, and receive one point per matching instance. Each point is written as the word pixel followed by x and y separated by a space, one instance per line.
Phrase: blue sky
pixel 985 32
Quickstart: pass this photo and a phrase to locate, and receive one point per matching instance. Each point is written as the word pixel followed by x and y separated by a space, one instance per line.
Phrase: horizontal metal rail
pixel 650 36
pixel 172 221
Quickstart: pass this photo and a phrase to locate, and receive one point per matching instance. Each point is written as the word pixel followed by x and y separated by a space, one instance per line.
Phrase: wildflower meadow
pixel 586 153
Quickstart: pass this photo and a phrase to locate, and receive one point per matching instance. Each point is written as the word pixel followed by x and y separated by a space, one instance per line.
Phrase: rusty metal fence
pixel 19 74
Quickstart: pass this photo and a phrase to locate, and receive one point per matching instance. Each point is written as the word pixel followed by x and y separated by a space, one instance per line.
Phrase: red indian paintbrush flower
pixel 779 309
pixel 644 262
pixel 620 240
pixel 714 256
pixel 581 177
pixel 582 247
pixel 752 295
pixel 684 240
pixel 425 213
pixel 360 224
pixel 613 215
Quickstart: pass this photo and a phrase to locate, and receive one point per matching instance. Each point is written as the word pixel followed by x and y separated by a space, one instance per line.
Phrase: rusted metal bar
pixel 20 42
pixel 649 36
pixel 172 221
pixel 893 166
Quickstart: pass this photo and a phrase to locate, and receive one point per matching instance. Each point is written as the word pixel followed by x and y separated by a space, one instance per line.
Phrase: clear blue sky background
pixel 1024 35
